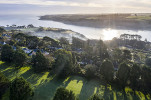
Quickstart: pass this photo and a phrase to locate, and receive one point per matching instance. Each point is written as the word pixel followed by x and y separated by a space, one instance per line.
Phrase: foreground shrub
pixel 4 85
pixel 95 97
pixel 20 89
pixel 64 94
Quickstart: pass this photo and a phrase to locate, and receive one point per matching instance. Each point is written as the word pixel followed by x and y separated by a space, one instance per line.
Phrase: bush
pixel 64 94
pixel 20 89
pixel 95 97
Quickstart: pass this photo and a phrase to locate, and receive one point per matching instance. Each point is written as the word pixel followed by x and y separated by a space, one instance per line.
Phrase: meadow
pixel 139 18
pixel 45 85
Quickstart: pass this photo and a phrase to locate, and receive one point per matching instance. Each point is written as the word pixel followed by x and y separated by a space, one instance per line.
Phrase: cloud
pixel 87 5
pixel 82 3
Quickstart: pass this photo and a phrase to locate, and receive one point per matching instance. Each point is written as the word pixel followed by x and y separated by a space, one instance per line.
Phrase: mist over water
pixel 92 33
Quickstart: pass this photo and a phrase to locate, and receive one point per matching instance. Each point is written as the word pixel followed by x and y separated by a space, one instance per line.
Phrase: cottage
pixel 26 50
pixel 3 43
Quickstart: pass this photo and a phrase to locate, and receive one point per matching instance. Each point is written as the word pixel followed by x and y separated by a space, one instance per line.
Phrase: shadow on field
pixel 47 90
pixel 88 89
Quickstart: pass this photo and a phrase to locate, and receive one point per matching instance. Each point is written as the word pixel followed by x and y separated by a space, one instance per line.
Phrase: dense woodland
pixel 101 60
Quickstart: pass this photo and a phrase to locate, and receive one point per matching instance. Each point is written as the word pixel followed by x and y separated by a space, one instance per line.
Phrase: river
pixel 92 33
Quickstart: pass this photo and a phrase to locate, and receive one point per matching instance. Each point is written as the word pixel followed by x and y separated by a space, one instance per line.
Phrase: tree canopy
pixel 90 71
pixel 123 74
pixel 103 53
pixel 20 89
pixel 148 62
pixel 63 62
pixel 135 75
pixel 19 57
pixel 64 94
pixel 7 53
pixel 2 30
pixel 107 70
pixel 40 62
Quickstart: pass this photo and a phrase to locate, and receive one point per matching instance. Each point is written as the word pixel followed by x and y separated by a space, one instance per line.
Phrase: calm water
pixel 92 33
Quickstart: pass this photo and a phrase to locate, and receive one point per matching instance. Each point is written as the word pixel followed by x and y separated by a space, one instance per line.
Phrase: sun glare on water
pixel 109 34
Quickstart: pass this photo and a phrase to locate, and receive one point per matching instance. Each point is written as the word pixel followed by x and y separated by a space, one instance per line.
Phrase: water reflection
pixel 109 34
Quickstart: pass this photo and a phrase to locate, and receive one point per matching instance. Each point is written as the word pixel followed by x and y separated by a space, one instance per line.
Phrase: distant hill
pixel 117 21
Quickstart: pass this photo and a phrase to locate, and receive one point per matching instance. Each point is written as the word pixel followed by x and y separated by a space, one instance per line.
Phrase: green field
pixel 140 17
pixel 45 85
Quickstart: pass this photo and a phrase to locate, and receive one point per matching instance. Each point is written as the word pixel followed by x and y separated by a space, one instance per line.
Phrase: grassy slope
pixel 45 85
pixel 140 17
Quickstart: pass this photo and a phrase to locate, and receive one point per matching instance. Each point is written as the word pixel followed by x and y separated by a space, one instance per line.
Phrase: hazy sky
pixel 74 6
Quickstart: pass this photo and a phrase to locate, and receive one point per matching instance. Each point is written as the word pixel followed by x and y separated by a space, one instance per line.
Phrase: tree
pixel 19 58
pixel 40 62
pixel 64 43
pixel 7 53
pixel 30 26
pixel 20 38
pixel 4 85
pixel 127 55
pixel 95 97
pixel 2 30
pixel 41 29
pixel 148 62
pixel 20 89
pixel 103 53
pixel 123 74
pixel 135 75
pixel 64 94
pixel 54 43
pixel 63 62
pixel 77 43
pixel 77 68
pixel 107 70
pixel 145 78
pixel 90 71
pixel 32 42
pixel 12 42
pixel 117 55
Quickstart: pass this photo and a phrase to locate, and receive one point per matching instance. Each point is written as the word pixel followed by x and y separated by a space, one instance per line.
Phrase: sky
pixel 39 7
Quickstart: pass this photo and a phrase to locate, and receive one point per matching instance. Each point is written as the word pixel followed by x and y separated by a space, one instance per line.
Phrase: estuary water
pixel 92 33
